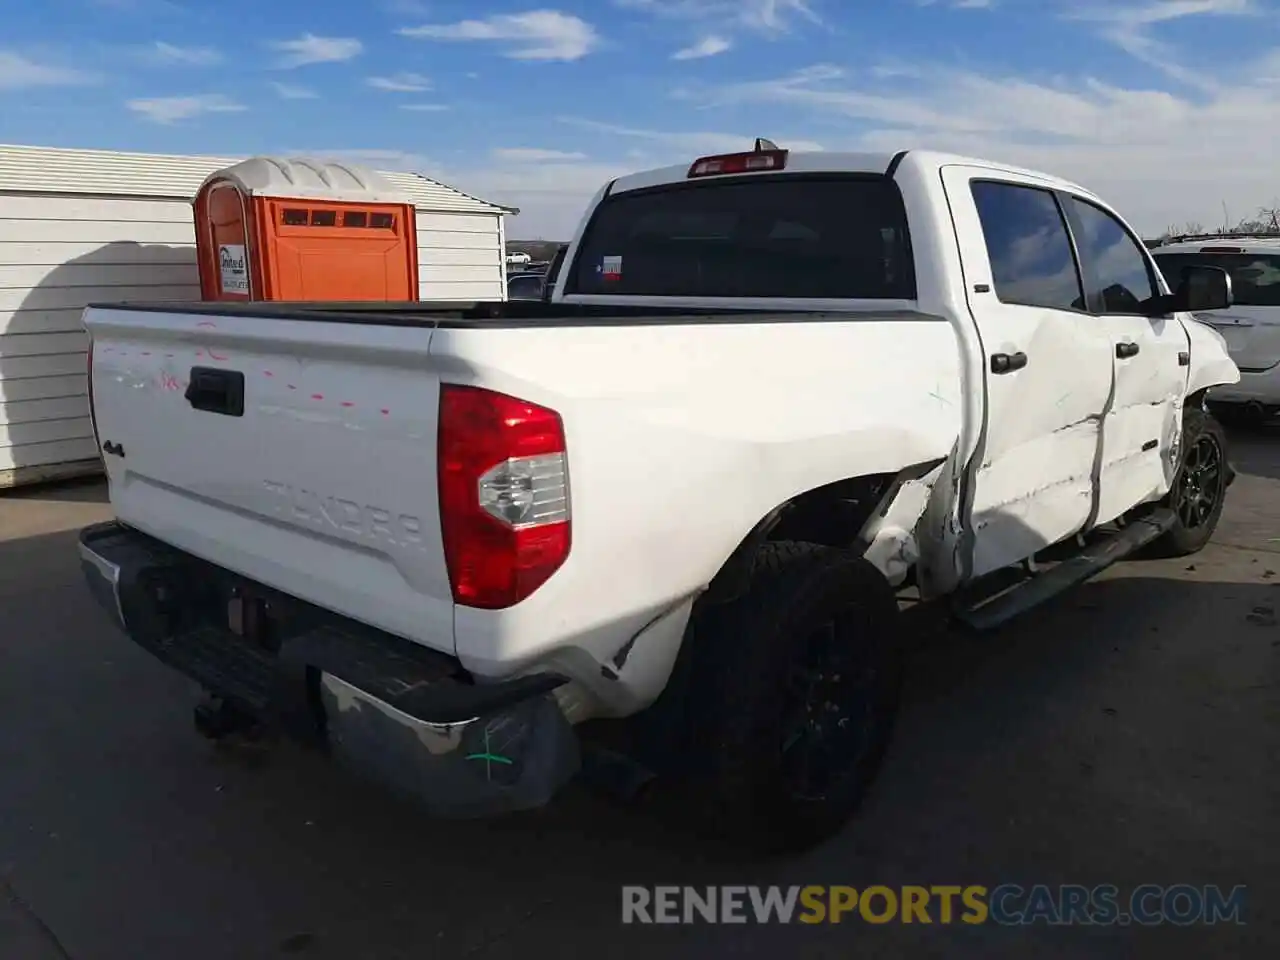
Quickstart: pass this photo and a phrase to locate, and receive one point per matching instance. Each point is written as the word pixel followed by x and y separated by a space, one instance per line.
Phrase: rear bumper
pixel 408 716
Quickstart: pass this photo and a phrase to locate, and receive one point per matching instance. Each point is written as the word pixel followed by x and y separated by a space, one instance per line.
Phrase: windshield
pixel 802 236
pixel 1255 278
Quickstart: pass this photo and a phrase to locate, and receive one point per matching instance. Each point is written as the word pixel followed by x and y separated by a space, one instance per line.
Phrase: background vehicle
pixel 537 285
pixel 770 389
pixel 526 286
pixel 1251 325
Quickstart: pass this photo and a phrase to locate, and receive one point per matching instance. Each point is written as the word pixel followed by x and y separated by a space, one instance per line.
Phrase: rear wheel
pixel 795 690
pixel 1199 488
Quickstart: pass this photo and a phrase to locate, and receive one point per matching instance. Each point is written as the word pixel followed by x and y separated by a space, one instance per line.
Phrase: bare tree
pixel 1270 218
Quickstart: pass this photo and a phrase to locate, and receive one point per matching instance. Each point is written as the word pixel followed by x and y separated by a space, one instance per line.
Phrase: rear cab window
pixel 1255 277
pixel 802 236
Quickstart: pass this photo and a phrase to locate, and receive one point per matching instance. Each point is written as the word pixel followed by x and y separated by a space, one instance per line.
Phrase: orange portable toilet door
pixel 230 235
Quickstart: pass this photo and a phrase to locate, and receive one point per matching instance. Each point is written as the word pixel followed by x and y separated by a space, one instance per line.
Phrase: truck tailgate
pixel 298 453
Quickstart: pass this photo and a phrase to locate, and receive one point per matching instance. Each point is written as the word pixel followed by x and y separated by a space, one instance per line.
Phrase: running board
pixel 997 610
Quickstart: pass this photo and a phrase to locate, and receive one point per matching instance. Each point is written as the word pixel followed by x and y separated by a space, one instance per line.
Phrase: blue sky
pixel 1169 108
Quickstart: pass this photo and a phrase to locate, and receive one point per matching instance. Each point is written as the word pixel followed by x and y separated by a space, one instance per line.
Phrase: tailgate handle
pixel 216 391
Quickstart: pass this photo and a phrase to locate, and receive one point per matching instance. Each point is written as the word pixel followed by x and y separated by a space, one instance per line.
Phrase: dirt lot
pixel 1128 734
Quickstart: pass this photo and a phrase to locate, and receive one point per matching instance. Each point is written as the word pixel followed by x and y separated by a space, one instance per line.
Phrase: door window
pixel 1118 262
pixel 1032 263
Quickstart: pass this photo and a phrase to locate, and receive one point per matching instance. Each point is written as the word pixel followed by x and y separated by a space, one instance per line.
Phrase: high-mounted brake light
pixel 1222 249
pixel 751 162
pixel 504 495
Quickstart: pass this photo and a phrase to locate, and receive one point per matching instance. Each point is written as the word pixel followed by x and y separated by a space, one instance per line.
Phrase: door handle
pixel 1008 362
pixel 1126 350
pixel 216 391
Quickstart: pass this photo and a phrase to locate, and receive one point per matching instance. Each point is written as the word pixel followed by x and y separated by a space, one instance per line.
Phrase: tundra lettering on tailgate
pixel 337 515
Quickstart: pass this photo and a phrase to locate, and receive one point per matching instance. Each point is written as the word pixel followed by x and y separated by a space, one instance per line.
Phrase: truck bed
pixel 310 462
pixel 471 313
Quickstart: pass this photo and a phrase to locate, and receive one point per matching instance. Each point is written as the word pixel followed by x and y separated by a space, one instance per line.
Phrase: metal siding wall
pixel 58 254
pixel 460 257
pixel 82 226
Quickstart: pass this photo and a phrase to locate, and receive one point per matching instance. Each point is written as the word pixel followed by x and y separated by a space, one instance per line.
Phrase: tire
pixel 1199 487
pixel 749 655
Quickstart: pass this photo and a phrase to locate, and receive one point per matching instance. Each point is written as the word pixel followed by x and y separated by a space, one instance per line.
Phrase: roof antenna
pixel 763 144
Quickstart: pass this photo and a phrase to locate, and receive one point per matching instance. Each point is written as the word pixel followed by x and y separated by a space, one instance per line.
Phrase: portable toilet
pixel 274 229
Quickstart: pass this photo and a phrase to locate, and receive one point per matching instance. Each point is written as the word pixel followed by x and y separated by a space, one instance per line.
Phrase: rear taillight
pixel 93 416
pixel 504 495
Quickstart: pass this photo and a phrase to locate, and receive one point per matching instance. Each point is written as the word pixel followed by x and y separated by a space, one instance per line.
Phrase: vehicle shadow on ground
pixel 81 490
pixel 1119 735
pixel 1255 450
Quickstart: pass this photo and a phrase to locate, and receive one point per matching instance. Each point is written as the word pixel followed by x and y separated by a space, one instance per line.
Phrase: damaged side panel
pixel 1034 495
pixel 1142 428
pixel 891 538
pixel 1046 375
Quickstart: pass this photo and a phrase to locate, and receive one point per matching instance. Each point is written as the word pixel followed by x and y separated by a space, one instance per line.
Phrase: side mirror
pixel 1203 288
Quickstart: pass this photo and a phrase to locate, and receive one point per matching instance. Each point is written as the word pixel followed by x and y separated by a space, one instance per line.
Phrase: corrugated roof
pixel 276 177
pixel 64 170
pixel 434 195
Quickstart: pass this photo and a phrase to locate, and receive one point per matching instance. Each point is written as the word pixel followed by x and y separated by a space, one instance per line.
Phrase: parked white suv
pixel 1251 325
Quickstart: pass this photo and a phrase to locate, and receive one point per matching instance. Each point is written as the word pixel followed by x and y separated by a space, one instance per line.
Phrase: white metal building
pixel 85 226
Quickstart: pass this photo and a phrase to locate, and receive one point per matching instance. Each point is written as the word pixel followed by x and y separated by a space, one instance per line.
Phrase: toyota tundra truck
pixel 457 545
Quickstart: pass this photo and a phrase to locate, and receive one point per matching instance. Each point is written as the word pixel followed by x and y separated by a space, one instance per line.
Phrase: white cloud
pixel 1158 157
pixel 308 49
pixel 401 83
pixel 426 107
pixel 18 73
pixel 761 16
pixel 535 155
pixel 552 195
pixel 1130 28
pixel 289 91
pixel 534 35
pixel 552 187
pixel 168 110
pixel 371 158
pixel 172 54
pixel 686 145
pixel 706 47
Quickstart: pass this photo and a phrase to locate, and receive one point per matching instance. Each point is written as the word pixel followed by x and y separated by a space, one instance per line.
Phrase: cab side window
pixel 1117 262
pixel 1032 263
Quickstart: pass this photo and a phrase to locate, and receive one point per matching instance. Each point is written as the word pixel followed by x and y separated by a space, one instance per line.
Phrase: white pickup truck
pixel 770 389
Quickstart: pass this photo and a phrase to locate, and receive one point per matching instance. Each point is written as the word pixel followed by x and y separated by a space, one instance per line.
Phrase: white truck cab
pixel 770 389
pixel 1251 325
